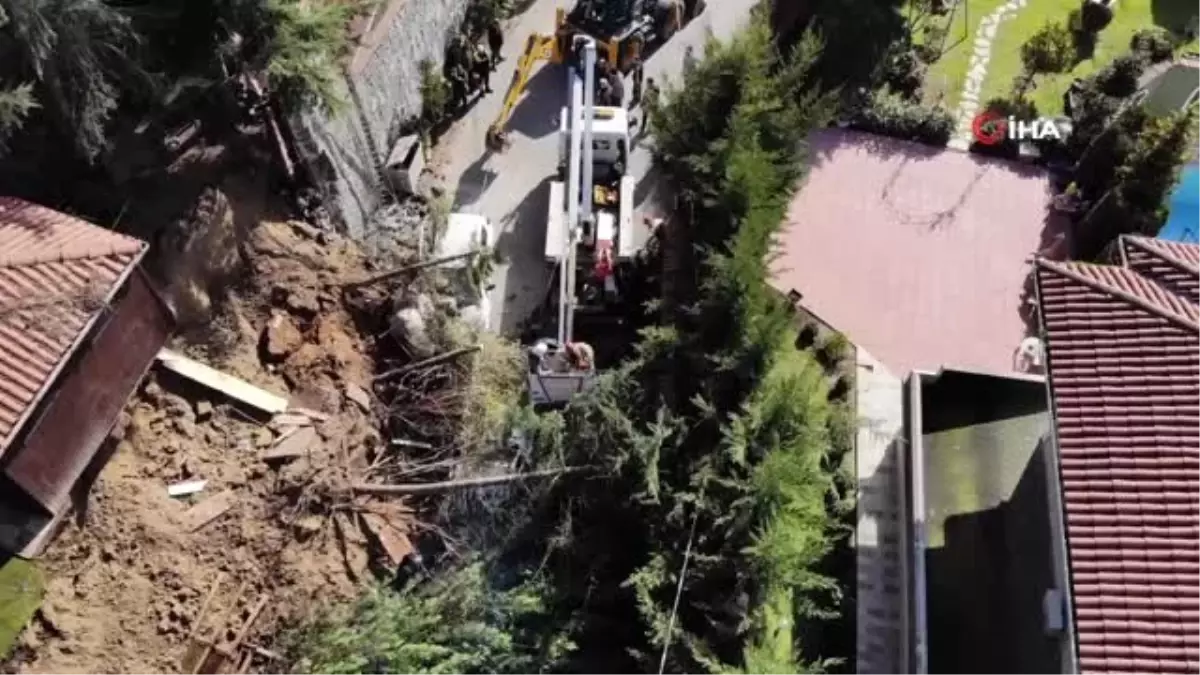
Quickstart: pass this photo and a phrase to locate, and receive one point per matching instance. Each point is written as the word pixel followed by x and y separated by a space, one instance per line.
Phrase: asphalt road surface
pixel 511 188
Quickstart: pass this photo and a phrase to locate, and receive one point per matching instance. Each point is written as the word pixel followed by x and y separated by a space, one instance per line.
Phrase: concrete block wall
pixel 383 91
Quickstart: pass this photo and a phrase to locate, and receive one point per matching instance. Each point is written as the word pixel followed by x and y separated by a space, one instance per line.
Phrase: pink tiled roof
pixel 1124 368
pixel 56 273
pixel 919 255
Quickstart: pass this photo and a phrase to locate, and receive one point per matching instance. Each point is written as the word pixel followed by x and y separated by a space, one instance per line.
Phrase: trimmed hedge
pixel 889 115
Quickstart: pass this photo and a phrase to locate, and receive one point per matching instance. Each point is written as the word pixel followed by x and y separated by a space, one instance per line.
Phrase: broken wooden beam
pixel 250 620
pixel 463 483
pixel 294 444
pixel 229 385
pixel 359 395
pixel 426 363
pixel 207 511
pixel 395 544
pixel 407 269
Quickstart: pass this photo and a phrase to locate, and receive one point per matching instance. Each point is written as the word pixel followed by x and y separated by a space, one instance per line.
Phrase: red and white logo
pixel 991 128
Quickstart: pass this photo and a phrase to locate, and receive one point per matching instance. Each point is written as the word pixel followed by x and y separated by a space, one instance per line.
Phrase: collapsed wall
pixel 345 153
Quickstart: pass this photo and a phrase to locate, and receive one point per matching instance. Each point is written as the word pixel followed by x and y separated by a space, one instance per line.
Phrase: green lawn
pixel 21 587
pixel 1130 16
pixel 949 73
pixel 946 77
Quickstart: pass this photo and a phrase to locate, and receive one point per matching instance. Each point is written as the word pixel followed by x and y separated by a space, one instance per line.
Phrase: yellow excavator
pixel 624 30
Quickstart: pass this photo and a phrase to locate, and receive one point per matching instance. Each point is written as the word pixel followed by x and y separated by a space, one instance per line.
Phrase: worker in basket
pixel 575 356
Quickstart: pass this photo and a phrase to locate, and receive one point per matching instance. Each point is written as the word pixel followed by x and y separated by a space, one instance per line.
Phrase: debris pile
pixel 234 462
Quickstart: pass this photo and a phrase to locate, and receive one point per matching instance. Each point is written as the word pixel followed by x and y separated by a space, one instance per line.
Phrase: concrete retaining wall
pixel 346 152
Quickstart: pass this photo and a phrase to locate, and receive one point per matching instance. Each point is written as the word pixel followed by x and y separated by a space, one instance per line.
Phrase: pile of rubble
pixel 227 510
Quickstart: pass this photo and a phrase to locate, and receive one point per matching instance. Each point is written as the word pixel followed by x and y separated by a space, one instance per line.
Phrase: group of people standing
pixel 610 90
pixel 469 63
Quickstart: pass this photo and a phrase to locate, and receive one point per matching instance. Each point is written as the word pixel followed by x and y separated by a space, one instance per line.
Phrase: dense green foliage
pixel 1154 44
pixel 457 623
pixel 303 59
pixel 78 52
pixel 70 68
pixel 1050 50
pixel 1126 159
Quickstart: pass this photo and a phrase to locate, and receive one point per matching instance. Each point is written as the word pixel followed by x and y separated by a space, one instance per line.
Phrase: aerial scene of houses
pixel 516 336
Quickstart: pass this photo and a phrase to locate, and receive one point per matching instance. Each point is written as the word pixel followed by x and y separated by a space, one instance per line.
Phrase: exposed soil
pixel 126 577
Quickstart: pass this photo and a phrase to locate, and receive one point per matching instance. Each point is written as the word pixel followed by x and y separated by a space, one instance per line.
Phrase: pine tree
pixel 16 101
pixel 77 52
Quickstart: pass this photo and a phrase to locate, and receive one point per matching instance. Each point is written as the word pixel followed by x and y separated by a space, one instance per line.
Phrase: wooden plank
pixel 200 616
pixel 309 413
pixel 229 385
pixel 289 419
pixel 359 395
pixel 207 511
pixel 293 445
pixel 394 543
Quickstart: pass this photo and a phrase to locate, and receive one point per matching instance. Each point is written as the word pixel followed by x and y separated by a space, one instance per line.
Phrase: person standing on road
pixel 459 87
pixel 495 36
pixel 649 106
pixel 639 71
pixel 616 88
pixel 481 67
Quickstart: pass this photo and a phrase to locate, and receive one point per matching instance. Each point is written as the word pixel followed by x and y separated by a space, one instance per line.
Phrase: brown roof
pixel 1172 264
pixel 1124 371
pixel 919 255
pixel 56 273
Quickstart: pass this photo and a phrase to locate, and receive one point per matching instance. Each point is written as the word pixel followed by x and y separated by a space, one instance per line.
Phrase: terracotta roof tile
pixel 1124 365
pixel 1172 264
pixel 56 273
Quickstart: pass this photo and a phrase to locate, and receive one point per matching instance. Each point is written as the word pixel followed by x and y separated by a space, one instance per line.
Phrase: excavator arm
pixel 537 48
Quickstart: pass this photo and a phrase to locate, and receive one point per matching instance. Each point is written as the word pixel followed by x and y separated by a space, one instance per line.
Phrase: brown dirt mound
pixel 128 578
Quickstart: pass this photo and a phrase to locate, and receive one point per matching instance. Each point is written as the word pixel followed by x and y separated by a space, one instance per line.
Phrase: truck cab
pixel 610 140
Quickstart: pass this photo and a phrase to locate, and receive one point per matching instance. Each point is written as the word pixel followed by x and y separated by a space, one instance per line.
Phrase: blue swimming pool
pixel 1183 222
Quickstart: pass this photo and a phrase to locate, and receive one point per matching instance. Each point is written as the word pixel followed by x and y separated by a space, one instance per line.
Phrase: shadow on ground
pixel 474 181
pixel 1177 16
pixel 522 246
pixel 536 114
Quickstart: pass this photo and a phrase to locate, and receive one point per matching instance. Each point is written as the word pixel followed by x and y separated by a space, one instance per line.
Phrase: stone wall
pixel 383 91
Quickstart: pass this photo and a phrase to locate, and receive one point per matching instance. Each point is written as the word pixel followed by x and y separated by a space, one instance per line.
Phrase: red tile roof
pixel 1124 370
pixel 1172 264
pixel 918 254
pixel 56 273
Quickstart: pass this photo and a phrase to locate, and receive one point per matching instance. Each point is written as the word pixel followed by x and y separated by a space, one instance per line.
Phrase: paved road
pixel 511 188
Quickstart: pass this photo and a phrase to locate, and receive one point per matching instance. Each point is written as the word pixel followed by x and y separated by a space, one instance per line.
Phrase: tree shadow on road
pixel 537 113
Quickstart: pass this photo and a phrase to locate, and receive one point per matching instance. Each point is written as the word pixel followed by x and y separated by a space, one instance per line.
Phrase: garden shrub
pixel 1155 44
pixel 930 49
pixel 890 115
pixel 1050 50
pixel 903 73
pixel 1120 78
